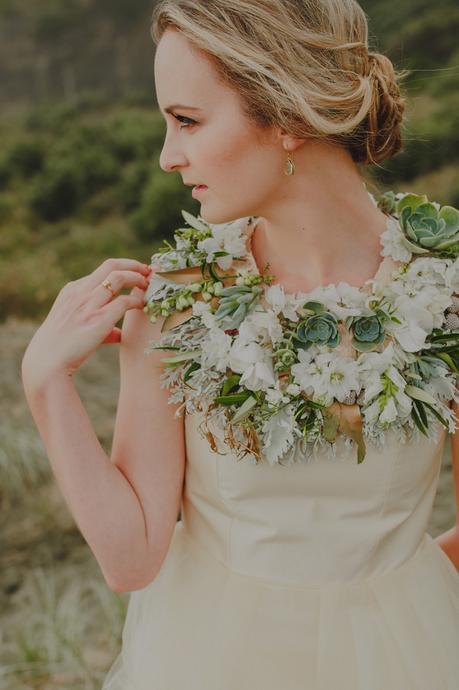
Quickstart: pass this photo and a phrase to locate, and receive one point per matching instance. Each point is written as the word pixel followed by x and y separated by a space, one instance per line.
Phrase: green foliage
pixel 59 191
pixel 26 158
pixel 134 176
pixel 57 17
pixel 77 166
pixel 161 202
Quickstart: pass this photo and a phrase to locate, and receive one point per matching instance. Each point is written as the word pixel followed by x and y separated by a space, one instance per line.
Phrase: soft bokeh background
pixel 80 137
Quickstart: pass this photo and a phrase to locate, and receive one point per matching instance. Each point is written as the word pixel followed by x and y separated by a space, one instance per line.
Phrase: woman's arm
pixel 103 503
pixel 124 505
pixel 449 541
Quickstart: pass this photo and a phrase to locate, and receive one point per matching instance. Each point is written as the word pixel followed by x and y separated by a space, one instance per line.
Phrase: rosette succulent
pixel 367 331
pixel 321 328
pixel 427 227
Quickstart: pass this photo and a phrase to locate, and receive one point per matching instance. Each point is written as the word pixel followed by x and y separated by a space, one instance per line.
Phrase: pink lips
pixel 198 189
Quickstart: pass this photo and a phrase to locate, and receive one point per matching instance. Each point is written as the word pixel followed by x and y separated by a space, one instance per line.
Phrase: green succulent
pixel 319 329
pixel 427 227
pixel 367 331
pixel 235 303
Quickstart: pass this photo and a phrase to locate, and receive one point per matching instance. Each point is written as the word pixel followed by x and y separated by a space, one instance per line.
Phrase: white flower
pixel 261 325
pixel 452 275
pixel 383 387
pixel 274 396
pixel 228 237
pixel 182 243
pixel 419 312
pixel 443 385
pixel 254 363
pixel 293 389
pixel 204 311
pixel 428 271
pixel 371 367
pixel 216 349
pixel 342 300
pixel 281 302
pixel 327 377
pixel 392 241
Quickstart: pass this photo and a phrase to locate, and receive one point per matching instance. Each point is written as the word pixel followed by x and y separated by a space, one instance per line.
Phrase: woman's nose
pixel 171 158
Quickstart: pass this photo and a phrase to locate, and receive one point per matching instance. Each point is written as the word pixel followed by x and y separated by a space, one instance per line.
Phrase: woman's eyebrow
pixel 181 107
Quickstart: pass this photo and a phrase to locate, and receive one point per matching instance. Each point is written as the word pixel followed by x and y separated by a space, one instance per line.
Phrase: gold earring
pixel 289 168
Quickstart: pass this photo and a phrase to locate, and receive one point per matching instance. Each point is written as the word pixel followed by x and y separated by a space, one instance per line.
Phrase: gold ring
pixel 107 284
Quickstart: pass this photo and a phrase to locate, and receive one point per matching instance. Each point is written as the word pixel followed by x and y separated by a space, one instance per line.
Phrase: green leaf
pixel 448 360
pixel 450 215
pixel 421 412
pixel 244 410
pixel 194 222
pixel 417 421
pixel 230 383
pixel 315 307
pixel 234 399
pixel 193 367
pixel 184 357
pixel 412 201
pixel 212 271
pixel 438 415
pixel 419 394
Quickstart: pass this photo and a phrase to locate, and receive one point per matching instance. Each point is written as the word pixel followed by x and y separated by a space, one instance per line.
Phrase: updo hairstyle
pixel 303 65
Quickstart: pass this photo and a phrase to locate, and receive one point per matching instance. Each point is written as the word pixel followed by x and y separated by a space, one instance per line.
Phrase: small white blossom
pixel 261 325
pixel 392 241
pixel 342 300
pixel 328 377
pixel 228 237
pixel 254 363
pixel 281 302
pixel 216 350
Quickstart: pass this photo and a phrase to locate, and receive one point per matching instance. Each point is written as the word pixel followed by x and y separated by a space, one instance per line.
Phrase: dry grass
pixel 60 624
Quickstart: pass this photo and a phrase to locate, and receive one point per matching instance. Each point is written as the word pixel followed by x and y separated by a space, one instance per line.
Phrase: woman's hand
pixel 83 317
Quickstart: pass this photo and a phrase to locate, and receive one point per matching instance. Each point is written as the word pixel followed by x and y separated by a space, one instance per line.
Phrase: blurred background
pixel 80 138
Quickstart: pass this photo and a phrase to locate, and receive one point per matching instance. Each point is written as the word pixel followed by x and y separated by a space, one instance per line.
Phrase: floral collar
pixel 278 370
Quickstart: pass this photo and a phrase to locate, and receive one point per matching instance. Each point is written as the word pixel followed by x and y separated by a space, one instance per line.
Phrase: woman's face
pixel 215 145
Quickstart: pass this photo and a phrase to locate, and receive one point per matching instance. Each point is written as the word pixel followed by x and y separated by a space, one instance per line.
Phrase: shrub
pixel 136 135
pixel 159 212
pixel 134 176
pixel 26 158
pixel 59 191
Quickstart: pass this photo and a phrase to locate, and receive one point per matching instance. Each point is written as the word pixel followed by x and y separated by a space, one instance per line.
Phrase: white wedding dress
pixel 319 575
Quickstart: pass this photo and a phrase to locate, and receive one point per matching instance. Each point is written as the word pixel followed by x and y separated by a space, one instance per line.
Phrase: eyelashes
pixel 187 122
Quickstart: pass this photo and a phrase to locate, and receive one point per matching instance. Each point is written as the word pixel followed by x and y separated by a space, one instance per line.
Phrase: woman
pixel 311 575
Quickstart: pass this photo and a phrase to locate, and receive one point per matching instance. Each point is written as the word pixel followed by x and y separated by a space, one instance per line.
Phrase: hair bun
pixel 379 135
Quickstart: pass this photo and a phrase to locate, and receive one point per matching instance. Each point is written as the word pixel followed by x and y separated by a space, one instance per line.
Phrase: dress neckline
pixel 383 273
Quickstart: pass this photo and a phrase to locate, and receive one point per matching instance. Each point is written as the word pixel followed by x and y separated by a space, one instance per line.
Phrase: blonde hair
pixel 303 65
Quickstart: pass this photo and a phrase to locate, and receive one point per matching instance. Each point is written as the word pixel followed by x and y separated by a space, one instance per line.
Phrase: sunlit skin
pixel 316 227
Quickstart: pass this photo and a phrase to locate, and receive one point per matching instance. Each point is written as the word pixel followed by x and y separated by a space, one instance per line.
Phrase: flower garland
pixel 279 370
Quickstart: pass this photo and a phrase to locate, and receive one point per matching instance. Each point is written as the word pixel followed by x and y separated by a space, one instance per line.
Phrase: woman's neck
pixel 320 229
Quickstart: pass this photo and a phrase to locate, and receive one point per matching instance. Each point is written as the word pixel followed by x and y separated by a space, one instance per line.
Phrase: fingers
pixel 116 309
pixel 111 265
pixel 118 280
